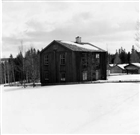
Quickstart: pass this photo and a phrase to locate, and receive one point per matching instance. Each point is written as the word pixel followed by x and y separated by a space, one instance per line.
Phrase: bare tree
pixel 21 49
pixel 32 65
pixel 11 68
pixel 2 71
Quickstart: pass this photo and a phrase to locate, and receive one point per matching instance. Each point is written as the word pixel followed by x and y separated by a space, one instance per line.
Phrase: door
pixel 97 74
pixel 84 75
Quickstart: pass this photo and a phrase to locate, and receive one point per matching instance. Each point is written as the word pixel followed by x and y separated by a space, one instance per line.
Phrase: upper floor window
pixel 46 59
pixel 97 55
pixel 97 60
pixel 62 59
pixel 84 59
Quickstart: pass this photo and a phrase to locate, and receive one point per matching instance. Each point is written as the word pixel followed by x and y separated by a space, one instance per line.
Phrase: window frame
pixel 97 56
pixel 62 78
pixel 84 59
pixel 46 59
pixel 62 58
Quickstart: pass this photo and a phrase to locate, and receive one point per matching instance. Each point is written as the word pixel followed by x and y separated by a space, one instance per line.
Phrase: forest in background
pixel 23 69
pixel 123 57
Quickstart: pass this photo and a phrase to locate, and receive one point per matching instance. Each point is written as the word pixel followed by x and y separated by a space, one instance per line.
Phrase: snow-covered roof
pixel 122 65
pixel 85 45
pixel 136 64
pixel 80 47
pixel 111 65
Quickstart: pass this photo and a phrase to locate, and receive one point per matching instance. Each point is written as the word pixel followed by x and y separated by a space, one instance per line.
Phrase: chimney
pixel 78 40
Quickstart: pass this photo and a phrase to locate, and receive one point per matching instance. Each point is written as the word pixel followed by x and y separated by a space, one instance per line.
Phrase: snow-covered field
pixel 80 108
pixel 124 77
pixel 0 106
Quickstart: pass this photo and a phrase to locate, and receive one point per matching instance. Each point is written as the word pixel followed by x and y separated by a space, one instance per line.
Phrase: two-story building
pixel 66 61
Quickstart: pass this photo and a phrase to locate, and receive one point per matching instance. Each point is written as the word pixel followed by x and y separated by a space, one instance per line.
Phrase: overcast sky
pixel 108 25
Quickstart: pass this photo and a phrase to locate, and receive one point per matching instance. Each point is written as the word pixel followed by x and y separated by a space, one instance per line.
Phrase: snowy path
pixel 85 108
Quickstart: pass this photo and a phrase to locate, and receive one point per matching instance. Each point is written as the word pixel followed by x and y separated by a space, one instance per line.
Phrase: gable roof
pixel 84 46
pixel 112 65
pixel 136 64
pixel 122 66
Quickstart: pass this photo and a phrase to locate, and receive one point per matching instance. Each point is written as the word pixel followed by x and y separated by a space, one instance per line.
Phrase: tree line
pixel 23 69
pixel 122 57
pixel 26 69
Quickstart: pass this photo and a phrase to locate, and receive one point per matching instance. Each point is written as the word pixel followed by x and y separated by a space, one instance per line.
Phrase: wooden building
pixel 118 68
pixel 65 61
pixel 109 67
pixel 133 68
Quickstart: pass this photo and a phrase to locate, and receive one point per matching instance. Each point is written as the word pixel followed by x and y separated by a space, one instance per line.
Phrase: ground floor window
pixel 63 76
pixel 46 75
pixel 84 75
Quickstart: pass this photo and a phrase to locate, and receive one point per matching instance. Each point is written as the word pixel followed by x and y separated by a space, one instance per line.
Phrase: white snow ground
pixel 127 77
pixel 0 106
pixel 81 108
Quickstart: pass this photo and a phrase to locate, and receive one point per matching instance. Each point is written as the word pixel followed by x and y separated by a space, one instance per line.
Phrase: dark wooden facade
pixel 60 64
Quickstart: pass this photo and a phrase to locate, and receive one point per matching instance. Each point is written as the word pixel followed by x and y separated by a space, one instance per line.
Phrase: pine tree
pixel 117 59
pixel 19 67
pixel 128 57
pixel 134 58
pixel 123 55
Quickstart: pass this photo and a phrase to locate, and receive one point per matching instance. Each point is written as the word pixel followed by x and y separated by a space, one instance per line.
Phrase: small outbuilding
pixel 66 61
pixel 117 68
pixel 133 68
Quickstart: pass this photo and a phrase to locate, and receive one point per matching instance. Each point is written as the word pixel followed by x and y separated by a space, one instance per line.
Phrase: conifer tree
pixel 134 58
pixel 117 59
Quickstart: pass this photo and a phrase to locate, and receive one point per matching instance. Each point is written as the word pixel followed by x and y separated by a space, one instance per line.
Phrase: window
pixel 93 58
pixel 46 75
pixel 97 56
pixel 63 76
pixel 84 59
pixel 97 61
pixel 46 59
pixel 62 59
pixel 84 75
